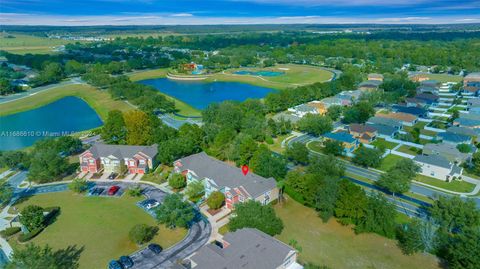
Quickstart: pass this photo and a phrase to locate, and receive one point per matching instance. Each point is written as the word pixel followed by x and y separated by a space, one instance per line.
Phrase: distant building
pixel 423 99
pixel 319 106
pixel 364 133
pixel 418 77
pixel 438 167
pixel 416 111
pixel 453 138
pixel 473 133
pixel 471 83
pixel 384 131
pixel 370 85
pixel 246 248
pixel 302 110
pixel 404 118
pixel 350 143
pixel 397 124
pixel 374 76
pixel 447 150
pixel 469 123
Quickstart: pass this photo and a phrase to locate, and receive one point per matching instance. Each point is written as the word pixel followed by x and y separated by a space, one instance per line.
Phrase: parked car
pixel 155 248
pixel 151 203
pixel 112 176
pixel 96 191
pixel 113 189
pixel 113 264
pixel 126 261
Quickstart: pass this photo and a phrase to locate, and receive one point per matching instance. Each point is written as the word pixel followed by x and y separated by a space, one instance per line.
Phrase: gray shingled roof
pixel 248 249
pixel 226 175
pixel 464 131
pixel 383 129
pixel 385 121
pixel 436 160
pixel 122 151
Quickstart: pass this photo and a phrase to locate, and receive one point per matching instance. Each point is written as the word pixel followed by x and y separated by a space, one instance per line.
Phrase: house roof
pixel 474 75
pixel 430 83
pixel 437 160
pixel 352 95
pixel 385 121
pixel 427 97
pixel 453 137
pixel 247 248
pixel 340 136
pixel 226 175
pixel 464 131
pixel 318 105
pixel 417 111
pixel 383 129
pixel 122 151
pixel 361 128
pixel 398 116
pixel 473 102
pixel 467 122
pixel 375 75
pixel 305 108
pixel 370 84
pixel 444 149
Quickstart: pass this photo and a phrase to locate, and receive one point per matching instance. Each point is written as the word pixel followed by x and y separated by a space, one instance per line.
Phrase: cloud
pixel 181 15
pixel 353 3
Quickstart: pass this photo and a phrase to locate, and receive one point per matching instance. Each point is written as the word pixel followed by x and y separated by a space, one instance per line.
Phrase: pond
pixel 200 94
pixel 62 117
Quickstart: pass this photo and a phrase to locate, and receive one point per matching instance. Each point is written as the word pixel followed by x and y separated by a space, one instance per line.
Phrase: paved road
pixel 20 95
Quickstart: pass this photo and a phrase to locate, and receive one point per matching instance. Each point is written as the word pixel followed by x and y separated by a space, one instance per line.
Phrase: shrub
pixel 215 200
pixel 142 233
pixel 32 217
pixel 78 185
pixel 25 237
pixel 9 231
pixel 135 191
pixel 177 181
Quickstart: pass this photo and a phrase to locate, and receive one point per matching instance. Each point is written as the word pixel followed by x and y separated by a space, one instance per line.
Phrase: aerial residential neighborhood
pixel 243 134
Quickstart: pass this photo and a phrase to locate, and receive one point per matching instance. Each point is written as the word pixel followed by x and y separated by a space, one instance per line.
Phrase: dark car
pixel 113 190
pixel 126 261
pixel 114 265
pixel 112 176
pixel 155 248
pixel 96 191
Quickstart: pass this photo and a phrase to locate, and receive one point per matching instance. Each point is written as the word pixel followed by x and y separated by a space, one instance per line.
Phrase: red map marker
pixel 245 170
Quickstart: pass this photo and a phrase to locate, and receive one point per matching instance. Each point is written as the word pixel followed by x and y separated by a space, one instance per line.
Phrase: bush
pixel 52 214
pixel 25 237
pixel 78 185
pixel 177 181
pixel 142 233
pixel 135 191
pixel 9 231
pixel 215 200
pixel 32 217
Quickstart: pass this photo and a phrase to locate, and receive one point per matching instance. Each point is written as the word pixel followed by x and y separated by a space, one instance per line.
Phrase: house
pixel 370 85
pixel 404 118
pixel 364 133
pixel 384 131
pixel 332 101
pixel 438 167
pixel 349 96
pixel 473 102
pixel 471 83
pixel 386 121
pixel 416 111
pixel 302 110
pixel 116 158
pixel 319 106
pixel 453 138
pixel 247 248
pixel 473 133
pixel 428 89
pixel 469 123
pixel 423 99
pixel 447 150
pixel 376 77
pixel 430 83
pixel 350 143
pixel 219 176
pixel 418 77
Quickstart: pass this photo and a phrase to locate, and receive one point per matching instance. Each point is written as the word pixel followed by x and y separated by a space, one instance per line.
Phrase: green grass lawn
pixel 389 161
pixel 428 132
pixel 445 77
pixel 457 186
pixel 316 146
pixel 148 74
pixel 23 44
pixel 337 246
pixel 277 143
pixel 100 101
pixel 99 224
pixel 379 142
pixel 409 150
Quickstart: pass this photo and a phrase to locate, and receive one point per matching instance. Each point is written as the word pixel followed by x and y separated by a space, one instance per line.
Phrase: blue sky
pixel 150 12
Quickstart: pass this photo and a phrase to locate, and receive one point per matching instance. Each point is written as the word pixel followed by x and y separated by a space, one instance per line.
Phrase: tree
pixel 334 112
pixel 78 185
pixel 463 148
pixel 195 190
pixel 46 166
pixel 358 113
pixel 476 163
pixel 177 181
pixel 215 200
pixel 142 233
pixel 267 164
pixel 333 147
pixel 351 203
pixel 139 130
pixel 32 217
pixel 12 159
pixel 245 147
pixel 454 215
pixel 399 177
pixel 6 192
pixel 74 67
pixel 252 214
pixel 328 166
pixel 410 237
pixel 32 256
pixel 297 152
pixel 315 124
pixel 459 253
pixel 114 130
pixel 368 157
pixel 379 217
pixel 174 212
pixel 326 198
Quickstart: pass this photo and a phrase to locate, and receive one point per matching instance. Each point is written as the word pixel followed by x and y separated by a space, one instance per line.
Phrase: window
pixel 142 161
pixel 90 161
pixel 132 163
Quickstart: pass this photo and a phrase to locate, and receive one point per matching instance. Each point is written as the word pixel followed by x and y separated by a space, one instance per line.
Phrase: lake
pixel 199 94
pixel 62 117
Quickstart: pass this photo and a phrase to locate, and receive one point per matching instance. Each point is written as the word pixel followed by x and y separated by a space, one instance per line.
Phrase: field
pixel 409 150
pixel 98 224
pixel 337 246
pixel 457 186
pixel 100 101
pixel 445 77
pixel 380 142
pixel 389 161
pixel 23 44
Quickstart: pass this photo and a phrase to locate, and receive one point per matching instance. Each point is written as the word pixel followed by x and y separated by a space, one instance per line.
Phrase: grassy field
pixel 100 101
pixel 389 161
pixel 23 44
pixel 445 77
pixel 99 224
pixel 337 246
pixel 457 186
pixel 408 150
pixel 380 142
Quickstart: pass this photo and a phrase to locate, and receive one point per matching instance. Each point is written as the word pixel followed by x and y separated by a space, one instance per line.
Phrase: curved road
pixel 197 236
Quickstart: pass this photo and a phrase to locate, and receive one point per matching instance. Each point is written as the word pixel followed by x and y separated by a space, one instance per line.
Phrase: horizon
pixel 236 12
